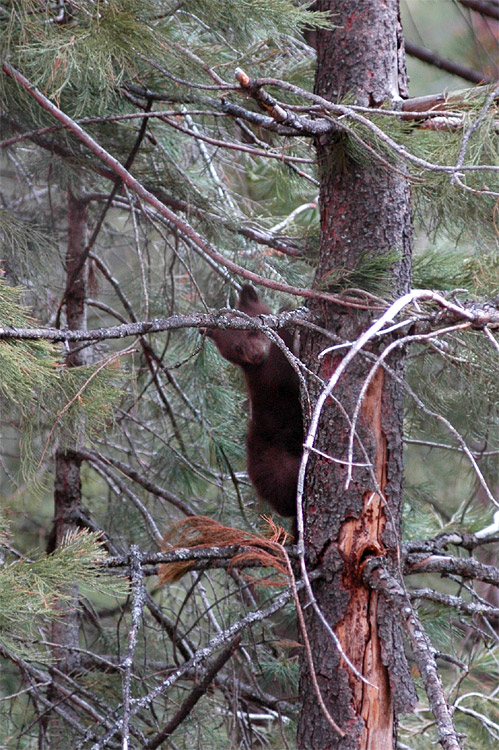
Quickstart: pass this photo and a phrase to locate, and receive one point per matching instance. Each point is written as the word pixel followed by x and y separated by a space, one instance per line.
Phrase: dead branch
pixel 448 565
pixel 455 602
pixel 139 596
pixel 198 658
pixel 433 58
pixel 196 694
pixel 211 554
pixel 305 126
pixel 223 319
pixel 440 542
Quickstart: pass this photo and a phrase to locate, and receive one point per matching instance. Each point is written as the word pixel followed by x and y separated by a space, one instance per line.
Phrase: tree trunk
pixel 67 487
pixel 365 212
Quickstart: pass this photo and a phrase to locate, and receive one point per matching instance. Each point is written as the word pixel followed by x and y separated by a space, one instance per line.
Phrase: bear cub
pixel 274 444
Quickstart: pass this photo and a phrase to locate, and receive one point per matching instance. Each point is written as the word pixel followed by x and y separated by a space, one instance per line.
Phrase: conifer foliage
pixel 156 156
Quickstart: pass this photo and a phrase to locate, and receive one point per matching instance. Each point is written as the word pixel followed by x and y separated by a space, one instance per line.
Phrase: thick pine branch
pixel 227 319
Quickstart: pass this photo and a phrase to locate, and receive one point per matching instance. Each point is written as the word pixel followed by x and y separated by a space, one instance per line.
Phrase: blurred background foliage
pixel 178 417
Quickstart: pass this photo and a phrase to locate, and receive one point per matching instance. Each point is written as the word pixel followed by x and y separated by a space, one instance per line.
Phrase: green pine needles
pixel 30 590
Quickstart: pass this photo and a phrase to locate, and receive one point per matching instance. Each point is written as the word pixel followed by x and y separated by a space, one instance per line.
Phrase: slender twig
pixel 280 156
pixel 308 649
pixel 446 446
pixel 196 694
pixel 474 125
pixel 492 340
pixel 199 657
pixel 120 488
pixel 138 594
pixel 106 363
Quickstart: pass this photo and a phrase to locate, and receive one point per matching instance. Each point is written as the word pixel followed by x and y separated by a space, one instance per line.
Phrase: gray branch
pixel 378 578
pixel 222 319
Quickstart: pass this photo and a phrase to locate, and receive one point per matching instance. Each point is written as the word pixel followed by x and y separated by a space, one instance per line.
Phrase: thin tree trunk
pixel 365 212
pixel 67 486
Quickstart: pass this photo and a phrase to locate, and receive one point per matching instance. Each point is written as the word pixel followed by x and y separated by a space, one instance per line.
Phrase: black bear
pixel 275 432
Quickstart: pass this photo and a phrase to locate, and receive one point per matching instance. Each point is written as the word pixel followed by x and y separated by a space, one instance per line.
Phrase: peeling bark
pixel 363 211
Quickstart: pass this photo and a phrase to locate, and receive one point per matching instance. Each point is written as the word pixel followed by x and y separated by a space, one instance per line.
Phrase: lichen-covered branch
pixel 379 579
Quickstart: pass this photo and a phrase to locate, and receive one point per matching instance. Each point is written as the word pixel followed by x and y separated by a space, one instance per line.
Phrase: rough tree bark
pixel 365 209
pixel 67 485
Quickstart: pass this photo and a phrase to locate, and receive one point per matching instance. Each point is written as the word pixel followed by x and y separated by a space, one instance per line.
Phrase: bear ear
pixel 250 303
pixel 247 296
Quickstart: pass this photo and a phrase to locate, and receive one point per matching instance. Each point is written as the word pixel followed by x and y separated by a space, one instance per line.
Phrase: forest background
pixel 155 157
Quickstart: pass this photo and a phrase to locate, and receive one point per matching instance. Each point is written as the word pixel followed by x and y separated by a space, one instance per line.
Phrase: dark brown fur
pixel 275 432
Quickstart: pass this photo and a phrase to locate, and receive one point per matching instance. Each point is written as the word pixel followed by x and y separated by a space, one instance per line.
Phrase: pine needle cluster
pixel 30 590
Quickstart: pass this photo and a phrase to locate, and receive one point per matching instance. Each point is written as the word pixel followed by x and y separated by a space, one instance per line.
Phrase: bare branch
pixel 304 126
pixel 199 657
pixel 456 602
pixel 433 58
pixel 447 565
pixel 222 319
pixel 484 7
pixel 138 591
pixel 198 692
